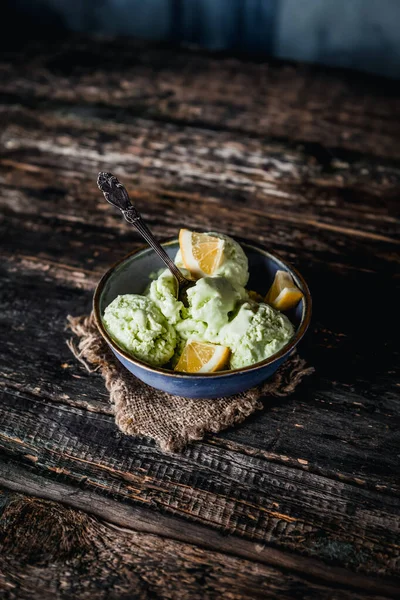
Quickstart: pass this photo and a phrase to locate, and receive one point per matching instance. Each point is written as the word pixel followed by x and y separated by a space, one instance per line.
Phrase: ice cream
pixel 163 292
pixel 138 326
pixel 211 301
pixel 235 267
pixel 155 327
pixel 256 332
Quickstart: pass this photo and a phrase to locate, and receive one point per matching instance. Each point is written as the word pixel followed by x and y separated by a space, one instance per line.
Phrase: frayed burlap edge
pixel 172 421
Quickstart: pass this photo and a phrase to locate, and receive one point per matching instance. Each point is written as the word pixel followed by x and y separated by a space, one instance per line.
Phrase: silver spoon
pixel 116 194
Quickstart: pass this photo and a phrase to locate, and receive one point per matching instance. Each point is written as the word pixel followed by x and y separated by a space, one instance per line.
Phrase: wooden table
pixel 302 500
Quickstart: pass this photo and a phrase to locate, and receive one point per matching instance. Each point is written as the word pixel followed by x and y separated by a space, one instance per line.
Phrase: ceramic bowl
pixel 131 276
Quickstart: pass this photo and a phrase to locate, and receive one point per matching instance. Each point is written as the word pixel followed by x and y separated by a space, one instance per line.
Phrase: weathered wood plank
pixel 91 248
pixel 347 427
pixel 315 474
pixel 337 349
pixel 264 178
pixel 246 496
pixel 65 552
pixel 333 108
pixel 36 356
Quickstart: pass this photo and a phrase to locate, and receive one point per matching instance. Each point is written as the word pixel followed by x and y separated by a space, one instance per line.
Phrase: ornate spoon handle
pixel 116 194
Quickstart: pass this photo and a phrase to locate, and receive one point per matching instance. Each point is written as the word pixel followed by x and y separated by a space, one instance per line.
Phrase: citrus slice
pixel 202 254
pixel 283 293
pixel 199 357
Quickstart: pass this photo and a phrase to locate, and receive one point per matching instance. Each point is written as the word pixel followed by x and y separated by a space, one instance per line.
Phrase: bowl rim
pixel 288 347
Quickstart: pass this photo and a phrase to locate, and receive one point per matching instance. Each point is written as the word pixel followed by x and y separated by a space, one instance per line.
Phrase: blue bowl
pixel 131 276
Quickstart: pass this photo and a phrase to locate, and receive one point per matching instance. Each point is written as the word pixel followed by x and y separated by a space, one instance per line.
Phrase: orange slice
pixel 283 293
pixel 202 254
pixel 198 357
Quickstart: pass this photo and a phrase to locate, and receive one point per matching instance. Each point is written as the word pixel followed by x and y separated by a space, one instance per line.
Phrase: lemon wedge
pixel 283 293
pixel 199 357
pixel 202 254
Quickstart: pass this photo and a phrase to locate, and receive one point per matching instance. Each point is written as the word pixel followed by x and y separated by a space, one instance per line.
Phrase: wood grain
pixel 303 161
pixel 233 492
pixel 214 163
pixel 342 427
pixel 65 552
pixel 330 108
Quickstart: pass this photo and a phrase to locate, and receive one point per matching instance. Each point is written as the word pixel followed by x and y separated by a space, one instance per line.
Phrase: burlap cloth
pixel 172 421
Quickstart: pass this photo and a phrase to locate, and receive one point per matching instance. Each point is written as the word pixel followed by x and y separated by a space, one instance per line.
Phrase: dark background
pixel 358 34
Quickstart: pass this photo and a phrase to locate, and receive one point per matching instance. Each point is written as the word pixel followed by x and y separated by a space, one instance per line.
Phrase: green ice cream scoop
pixel 257 332
pixel 138 326
pixel 162 292
pixel 211 301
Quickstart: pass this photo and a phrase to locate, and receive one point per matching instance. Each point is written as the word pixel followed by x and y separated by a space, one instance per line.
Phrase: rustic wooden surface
pixel 300 501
